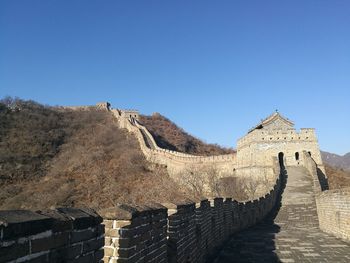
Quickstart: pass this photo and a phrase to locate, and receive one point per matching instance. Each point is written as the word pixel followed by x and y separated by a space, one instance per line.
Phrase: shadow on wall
pixel 322 179
pixel 189 231
pixel 256 244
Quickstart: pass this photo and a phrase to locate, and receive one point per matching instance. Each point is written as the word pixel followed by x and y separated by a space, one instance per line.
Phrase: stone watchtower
pixel 276 136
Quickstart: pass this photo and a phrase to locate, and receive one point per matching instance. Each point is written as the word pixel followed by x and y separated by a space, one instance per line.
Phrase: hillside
pixel 169 136
pixel 337 178
pixel 55 157
pixel 335 160
pixel 62 157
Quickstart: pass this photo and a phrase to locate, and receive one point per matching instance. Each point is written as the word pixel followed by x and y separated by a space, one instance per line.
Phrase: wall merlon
pixel 61 234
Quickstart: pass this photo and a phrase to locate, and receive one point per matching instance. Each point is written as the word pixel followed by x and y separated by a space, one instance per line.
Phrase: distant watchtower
pixel 276 136
pixel 103 105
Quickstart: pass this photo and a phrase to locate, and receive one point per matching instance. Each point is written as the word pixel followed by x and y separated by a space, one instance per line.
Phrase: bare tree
pixel 213 176
pixel 231 186
pixel 194 179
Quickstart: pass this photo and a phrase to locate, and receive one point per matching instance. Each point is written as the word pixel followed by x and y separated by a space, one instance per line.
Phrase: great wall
pixel 281 225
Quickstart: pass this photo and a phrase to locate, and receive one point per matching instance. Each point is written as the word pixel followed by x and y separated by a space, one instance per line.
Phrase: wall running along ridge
pixel 176 162
pixel 333 206
pixel 255 150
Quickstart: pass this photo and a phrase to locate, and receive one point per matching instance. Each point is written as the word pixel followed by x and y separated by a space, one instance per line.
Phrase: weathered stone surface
pixel 13 251
pixel 51 236
pixel 97 218
pixel 93 244
pixel 55 241
pixel 119 212
pixel 77 236
pixel 61 221
pixel 98 255
pixel 64 253
pixel 80 219
pixel 39 259
pixel 84 259
pixel 16 223
pixel 334 212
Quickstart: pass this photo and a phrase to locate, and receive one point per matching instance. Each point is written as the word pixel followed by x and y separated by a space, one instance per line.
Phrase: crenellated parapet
pixel 277 136
pixel 183 231
pixel 58 235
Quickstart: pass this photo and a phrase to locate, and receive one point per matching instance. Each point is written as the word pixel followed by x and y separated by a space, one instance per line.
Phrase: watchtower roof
pixel 272 118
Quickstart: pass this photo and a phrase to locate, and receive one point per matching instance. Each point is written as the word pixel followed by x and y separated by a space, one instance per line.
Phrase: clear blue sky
pixel 213 67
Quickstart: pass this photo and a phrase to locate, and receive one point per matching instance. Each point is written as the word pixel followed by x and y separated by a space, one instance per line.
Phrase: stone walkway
pixel 290 236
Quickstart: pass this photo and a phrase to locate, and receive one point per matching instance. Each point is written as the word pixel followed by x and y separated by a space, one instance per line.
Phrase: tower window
pixel 297 156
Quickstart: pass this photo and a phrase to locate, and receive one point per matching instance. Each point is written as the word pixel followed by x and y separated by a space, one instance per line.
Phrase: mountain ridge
pixel 335 160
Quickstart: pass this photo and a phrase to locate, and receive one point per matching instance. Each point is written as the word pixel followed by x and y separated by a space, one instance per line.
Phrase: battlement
pixel 59 235
pixel 305 134
pixel 129 114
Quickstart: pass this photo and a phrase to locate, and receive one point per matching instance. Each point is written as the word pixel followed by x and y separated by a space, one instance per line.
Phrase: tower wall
pixel 258 146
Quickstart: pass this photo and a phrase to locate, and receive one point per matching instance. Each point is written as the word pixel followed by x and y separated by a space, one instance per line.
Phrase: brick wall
pixel 61 235
pixel 135 234
pixel 333 209
pixel 172 232
pixel 333 206
pixel 184 231
pixel 181 231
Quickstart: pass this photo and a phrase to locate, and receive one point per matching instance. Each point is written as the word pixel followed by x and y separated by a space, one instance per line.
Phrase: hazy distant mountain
pixel 336 160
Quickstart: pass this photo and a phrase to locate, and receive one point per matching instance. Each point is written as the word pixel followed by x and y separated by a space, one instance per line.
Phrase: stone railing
pixel 62 235
pixel 333 206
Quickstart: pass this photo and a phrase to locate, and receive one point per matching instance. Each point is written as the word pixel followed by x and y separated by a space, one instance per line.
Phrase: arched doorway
pixel 281 159
pixel 297 156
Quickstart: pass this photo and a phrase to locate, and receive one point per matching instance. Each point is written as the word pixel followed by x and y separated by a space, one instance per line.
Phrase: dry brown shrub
pixel 337 177
pixel 83 159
